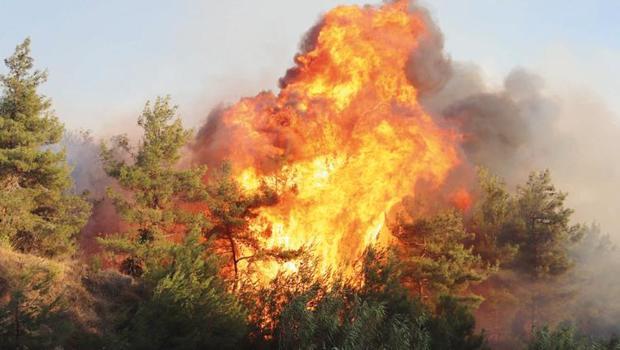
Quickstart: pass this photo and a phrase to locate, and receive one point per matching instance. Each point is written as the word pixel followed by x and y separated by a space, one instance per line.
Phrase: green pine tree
pixel 188 306
pixel 153 189
pixel 542 227
pixel 491 214
pixel 37 213
pixel 437 259
pixel 566 337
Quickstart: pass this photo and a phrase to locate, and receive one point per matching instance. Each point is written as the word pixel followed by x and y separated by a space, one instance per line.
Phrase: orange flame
pixel 343 141
pixel 462 199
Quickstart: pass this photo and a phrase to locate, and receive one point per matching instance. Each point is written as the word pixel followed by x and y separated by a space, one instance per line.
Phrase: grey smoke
pixel 82 151
pixel 428 67
pixel 524 127
pixel 517 128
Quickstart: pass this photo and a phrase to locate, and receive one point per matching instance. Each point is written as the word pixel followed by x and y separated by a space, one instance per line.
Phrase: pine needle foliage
pixel 38 214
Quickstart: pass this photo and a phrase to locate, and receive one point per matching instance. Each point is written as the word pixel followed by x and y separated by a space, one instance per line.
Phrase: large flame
pixel 343 141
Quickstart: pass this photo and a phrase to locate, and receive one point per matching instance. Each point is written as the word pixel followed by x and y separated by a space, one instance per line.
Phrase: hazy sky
pixel 106 58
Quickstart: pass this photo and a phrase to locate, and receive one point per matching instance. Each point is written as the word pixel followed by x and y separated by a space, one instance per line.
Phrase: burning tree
pixel 230 212
pixel 345 139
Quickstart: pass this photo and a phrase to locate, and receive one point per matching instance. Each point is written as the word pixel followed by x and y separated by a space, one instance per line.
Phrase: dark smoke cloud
pixel 512 130
pixel 499 128
pixel 428 67
pixel 492 129
pixel 307 44
pixel 524 127
pixel 208 141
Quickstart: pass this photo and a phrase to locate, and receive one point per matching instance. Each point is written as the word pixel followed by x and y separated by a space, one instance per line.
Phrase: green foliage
pixel 152 188
pixel 491 214
pixel 189 307
pixel 436 260
pixel 566 337
pixel 301 312
pixel 37 214
pixel 531 230
pixel 379 315
pixel 563 338
pixel 32 316
pixel 453 326
pixel 185 304
pixel 358 324
pixel 541 227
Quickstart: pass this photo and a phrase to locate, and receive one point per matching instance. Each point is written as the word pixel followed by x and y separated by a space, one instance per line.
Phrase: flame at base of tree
pixel 343 141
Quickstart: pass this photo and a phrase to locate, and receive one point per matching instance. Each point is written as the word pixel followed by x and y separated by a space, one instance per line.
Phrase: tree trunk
pixel 233 249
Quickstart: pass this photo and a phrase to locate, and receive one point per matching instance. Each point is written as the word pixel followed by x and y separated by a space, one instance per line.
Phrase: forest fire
pixel 385 196
pixel 343 141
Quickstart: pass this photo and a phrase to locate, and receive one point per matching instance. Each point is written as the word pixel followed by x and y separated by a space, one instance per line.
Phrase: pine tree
pixel 153 189
pixel 185 303
pixel 454 326
pixel 230 212
pixel 493 211
pixel 37 212
pixel 566 337
pixel 35 316
pixel 542 227
pixel 189 306
pixel 437 260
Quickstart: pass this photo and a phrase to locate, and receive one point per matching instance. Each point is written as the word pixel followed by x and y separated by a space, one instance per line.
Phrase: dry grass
pixel 43 281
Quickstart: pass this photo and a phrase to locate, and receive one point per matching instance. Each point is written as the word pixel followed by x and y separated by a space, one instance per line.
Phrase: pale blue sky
pixel 106 58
